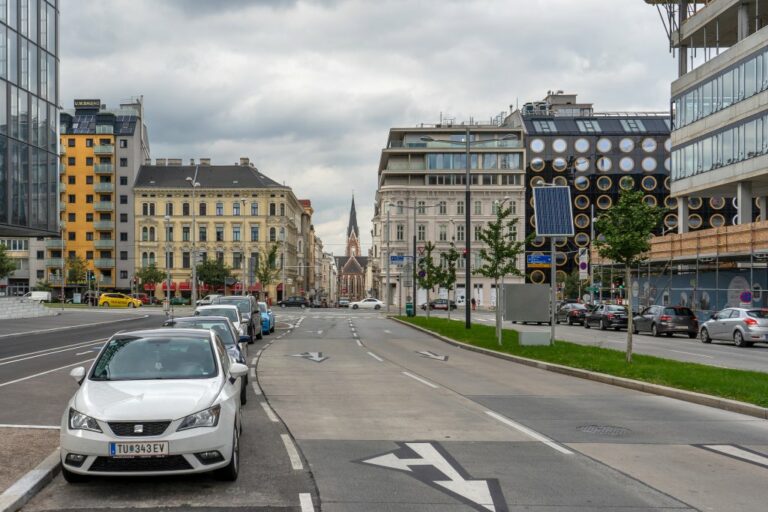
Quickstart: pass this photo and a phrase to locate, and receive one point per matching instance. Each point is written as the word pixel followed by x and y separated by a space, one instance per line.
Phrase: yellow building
pixel 235 215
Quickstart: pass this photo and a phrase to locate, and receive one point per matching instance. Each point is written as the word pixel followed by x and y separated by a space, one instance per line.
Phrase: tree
pixel 626 229
pixel 7 264
pixel 501 252
pixel 76 270
pixel 572 285
pixel 151 275
pixel 266 270
pixel 43 286
pixel 214 272
pixel 429 275
pixel 449 260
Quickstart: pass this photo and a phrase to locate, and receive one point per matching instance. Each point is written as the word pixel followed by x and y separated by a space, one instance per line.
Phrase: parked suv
pixel 667 320
pixel 744 326
pixel 249 311
pixel 607 316
pixel 294 302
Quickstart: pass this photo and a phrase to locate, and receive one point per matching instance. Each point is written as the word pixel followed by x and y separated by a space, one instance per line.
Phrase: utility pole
pixel 389 289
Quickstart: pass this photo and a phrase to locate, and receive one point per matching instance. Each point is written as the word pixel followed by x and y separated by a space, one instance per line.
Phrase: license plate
pixel 154 449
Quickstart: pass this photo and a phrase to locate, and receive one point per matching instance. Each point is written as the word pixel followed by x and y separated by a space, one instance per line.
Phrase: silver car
pixel 742 325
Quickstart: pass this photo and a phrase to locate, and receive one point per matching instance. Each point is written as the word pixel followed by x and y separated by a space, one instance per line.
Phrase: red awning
pixel 186 285
pixel 255 287
pixel 148 287
pixel 204 287
pixel 236 287
pixel 165 286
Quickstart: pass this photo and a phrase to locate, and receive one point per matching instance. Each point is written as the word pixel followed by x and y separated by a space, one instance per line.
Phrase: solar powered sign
pixel 552 207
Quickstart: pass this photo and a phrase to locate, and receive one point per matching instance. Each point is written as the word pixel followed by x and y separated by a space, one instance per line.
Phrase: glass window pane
pixel 4 180
pixel 749 78
pixel 3 51
pixel 23 115
pixel 3 112
pixel 490 161
pixel 51 19
pixel 32 63
pixel 13 57
pixel 51 78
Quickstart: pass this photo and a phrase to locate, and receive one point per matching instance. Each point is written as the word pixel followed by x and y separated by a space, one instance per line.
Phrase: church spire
pixel 352 227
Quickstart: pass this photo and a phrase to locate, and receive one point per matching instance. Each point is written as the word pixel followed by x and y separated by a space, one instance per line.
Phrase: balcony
pixel 104 188
pixel 103 206
pixel 62 187
pixel 105 129
pixel 54 244
pixel 104 244
pixel 104 225
pixel 104 169
pixel 459 146
pixel 54 262
pixel 62 206
pixel 62 168
pixel 106 281
pixel 103 149
pixel 104 263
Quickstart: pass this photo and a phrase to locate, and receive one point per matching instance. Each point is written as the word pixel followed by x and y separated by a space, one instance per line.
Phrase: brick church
pixel 352 266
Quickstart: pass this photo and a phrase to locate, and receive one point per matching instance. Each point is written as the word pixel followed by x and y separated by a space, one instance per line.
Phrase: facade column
pixel 682 56
pixel 744 201
pixel 682 214
pixel 742 21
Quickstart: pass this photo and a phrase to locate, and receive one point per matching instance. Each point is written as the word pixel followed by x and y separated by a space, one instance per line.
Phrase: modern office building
pixel 237 213
pixel 421 183
pixel 29 78
pixel 101 151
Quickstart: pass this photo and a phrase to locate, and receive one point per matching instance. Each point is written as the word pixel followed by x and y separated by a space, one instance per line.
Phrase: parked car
pixel 143 297
pixel 439 304
pixel 236 345
pixel 369 303
pixel 607 316
pixel 343 302
pixel 118 300
pixel 249 310
pixel 267 318
pixel 226 310
pixel 36 296
pixel 571 313
pixel 179 301
pixel 294 302
pixel 744 326
pixel 189 402
pixel 207 300
pixel 667 320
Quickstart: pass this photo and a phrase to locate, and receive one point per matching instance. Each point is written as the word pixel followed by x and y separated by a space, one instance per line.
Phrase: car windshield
pixel 678 311
pixel 262 307
pixel 758 313
pixel 242 304
pixel 153 358
pixel 220 327
pixel 227 312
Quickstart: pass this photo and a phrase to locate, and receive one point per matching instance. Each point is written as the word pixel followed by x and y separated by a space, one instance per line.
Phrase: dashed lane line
pixel 3 384
pixel 253 372
pixel 293 453
pixel 270 413
pixel 256 388
pixel 375 357
pixel 530 433
pixel 49 351
pixel 423 381
pixel 305 499
pixel 359 343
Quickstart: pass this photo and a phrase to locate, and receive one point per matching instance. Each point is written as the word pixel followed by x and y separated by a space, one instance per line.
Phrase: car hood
pixel 146 399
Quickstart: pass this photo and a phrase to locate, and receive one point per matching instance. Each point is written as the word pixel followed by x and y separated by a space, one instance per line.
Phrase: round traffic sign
pixel 745 297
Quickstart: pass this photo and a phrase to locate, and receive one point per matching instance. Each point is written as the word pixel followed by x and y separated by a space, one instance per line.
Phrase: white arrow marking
pixel 312 356
pixel 432 355
pixel 476 492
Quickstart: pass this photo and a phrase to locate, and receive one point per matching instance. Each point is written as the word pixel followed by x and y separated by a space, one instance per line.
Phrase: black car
pixel 439 304
pixel 294 302
pixel 607 316
pixel 571 313
pixel 249 310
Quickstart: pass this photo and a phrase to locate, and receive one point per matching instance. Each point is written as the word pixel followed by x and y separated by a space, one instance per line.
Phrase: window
pixel 123 274
pixel 220 256
pixel 219 209
pixel 203 209
pixel 89 180
pixel 254 233
pixel 123 143
pixel 88 217
pixel 460 233
pixel 400 232
pixel 237 260
pixel 89 161
pixel 89 143
pixel 71 143
pixel 421 207
pixel 123 162
pixel 151 234
pixel 123 180
pixel 71 235
pixel 399 209
pixel 442 234
pixel 587 126
pixel 169 209
pixel 545 126
pixel 202 234
pixel 40 255
pixel 185 233
pixel 123 217
pixel 254 209
pixel 123 236
pixel 89 198
pixel 235 233
pixel 478 208
pixel 89 236
pixel 282 209
pixel 71 180
pixel 442 208
pixel 169 259
pixel 71 217
pixel 70 160
pixel 185 209
pixel 71 198
pixel 185 261
pixel 148 209
pixel 272 235
pixel 123 199
pixel 219 233
pixel 460 208
pixel 633 125
pixel 169 233
pixel 236 209
pixel 272 209
pixel 421 232
pixel 124 255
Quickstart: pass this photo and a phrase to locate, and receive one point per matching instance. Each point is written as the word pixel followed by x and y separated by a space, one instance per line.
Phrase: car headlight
pixel 80 421
pixel 206 418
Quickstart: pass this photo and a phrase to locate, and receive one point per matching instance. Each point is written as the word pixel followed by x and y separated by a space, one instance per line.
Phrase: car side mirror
pixel 713 316
pixel 78 374
pixel 237 370
pixel 245 339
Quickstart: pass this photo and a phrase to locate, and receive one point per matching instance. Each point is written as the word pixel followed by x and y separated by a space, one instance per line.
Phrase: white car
pixel 228 310
pixel 155 402
pixel 207 300
pixel 369 303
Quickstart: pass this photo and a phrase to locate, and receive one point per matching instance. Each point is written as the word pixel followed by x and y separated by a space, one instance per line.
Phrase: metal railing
pixel 104 206
pixel 104 225
pixel 104 187
pixel 104 149
pixel 103 168
pixel 104 262
pixel 104 244
pixel 105 129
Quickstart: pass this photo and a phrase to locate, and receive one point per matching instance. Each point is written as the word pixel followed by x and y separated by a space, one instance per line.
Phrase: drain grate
pixel 605 430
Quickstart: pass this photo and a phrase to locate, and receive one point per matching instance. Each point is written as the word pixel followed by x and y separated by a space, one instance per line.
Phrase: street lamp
pixel 194 184
pixel 467 216
pixel 242 256
pixel 168 246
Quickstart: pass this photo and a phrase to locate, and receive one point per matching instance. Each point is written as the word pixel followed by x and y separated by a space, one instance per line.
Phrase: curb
pixel 655 389
pixel 25 488
pixel 54 329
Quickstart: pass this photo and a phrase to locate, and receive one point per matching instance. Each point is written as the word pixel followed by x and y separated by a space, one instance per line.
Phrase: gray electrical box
pixel 526 303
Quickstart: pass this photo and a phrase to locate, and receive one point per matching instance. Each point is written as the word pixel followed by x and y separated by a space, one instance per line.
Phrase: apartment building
pixel 421 192
pixel 235 215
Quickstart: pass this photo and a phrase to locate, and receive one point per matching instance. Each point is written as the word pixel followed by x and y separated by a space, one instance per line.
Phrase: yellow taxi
pixel 118 300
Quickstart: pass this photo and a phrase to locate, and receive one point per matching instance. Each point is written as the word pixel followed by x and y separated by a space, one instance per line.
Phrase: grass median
pixel 744 386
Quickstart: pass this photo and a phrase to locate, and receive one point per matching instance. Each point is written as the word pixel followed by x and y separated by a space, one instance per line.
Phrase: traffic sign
pixel 583 263
pixel 397 259
pixel 421 250
pixel 539 260
pixel 745 297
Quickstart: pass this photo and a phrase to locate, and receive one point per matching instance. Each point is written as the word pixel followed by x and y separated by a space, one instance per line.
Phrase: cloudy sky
pixel 308 89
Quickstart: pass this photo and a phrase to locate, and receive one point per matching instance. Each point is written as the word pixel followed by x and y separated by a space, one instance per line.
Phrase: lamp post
pixel 389 289
pixel 61 299
pixel 167 219
pixel 194 184
pixel 244 282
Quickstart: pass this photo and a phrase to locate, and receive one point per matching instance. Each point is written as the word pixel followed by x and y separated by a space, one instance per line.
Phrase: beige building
pixel 235 215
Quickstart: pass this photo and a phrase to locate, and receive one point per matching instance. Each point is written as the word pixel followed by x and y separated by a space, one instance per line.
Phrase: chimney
pixel 205 161
pixel 174 161
pixel 159 161
pixel 244 160
pixel 191 161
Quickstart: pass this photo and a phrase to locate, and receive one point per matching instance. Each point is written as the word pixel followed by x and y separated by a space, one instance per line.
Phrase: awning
pixel 204 287
pixel 236 287
pixel 184 286
pixel 255 287
pixel 149 287
pixel 165 286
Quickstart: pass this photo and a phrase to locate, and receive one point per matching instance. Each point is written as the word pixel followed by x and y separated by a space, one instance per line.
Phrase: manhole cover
pixel 605 430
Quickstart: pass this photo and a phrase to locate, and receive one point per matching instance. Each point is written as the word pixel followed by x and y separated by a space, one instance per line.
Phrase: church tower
pixel 353 233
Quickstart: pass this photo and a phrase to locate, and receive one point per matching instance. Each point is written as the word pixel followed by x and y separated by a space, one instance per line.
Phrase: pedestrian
pixel 474 304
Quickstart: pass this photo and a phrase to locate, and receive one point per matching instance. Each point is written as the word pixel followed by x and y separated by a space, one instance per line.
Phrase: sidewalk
pixel 67 318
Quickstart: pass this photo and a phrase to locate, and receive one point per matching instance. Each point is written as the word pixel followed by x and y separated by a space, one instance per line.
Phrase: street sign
pixel 396 259
pixel 745 297
pixel 583 263
pixel 421 250
pixel 539 260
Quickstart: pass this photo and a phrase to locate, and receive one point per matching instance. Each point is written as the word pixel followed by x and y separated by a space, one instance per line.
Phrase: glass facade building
pixel 29 71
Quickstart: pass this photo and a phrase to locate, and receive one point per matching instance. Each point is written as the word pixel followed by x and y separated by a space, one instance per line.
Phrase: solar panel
pixel 552 207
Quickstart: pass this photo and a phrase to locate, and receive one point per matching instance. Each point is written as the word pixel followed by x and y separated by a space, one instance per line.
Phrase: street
pixel 388 419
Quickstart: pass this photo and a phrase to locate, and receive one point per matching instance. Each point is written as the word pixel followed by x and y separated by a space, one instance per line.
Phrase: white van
pixel 36 297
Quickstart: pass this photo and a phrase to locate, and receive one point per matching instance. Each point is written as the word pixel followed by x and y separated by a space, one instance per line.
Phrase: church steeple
pixel 353 232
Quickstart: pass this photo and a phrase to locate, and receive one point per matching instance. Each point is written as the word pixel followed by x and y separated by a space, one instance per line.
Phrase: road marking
pixel 49 351
pixel 312 356
pixel 690 353
pixel 258 354
pixel 256 388
pixel 320 332
pixel 305 499
pixel 359 343
pixel 73 326
pixel 293 453
pixel 737 452
pixel 430 463
pixel 432 355
pixel 531 433
pixel 270 413
pixel 41 427
pixel 83 353
pixel 253 372
pixel 387 331
pixel 375 357
pixel 420 380
pixel 44 373
pixel 354 335
pixel 254 361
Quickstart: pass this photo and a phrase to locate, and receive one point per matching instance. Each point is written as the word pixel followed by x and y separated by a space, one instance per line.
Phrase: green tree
pixel 501 253
pixel 151 275
pixel 428 274
pixel 449 260
pixel 43 286
pixel 572 285
pixel 76 270
pixel 627 229
pixel 213 272
pixel 267 269
pixel 7 265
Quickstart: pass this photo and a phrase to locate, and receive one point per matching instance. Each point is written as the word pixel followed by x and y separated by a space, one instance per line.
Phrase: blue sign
pixel 539 259
pixel 552 208
pixel 397 260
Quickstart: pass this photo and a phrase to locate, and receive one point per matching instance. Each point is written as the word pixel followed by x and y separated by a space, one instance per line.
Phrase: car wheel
pixel 603 325
pixel 231 470
pixel 738 339
pixel 260 335
pixel 72 478
pixel 354 307
pixel 586 324
pixel 244 392
pixel 655 331
pixel 271 329
pixel 669 334
pixel 377 307
pixel 705 336
pixel 692 335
